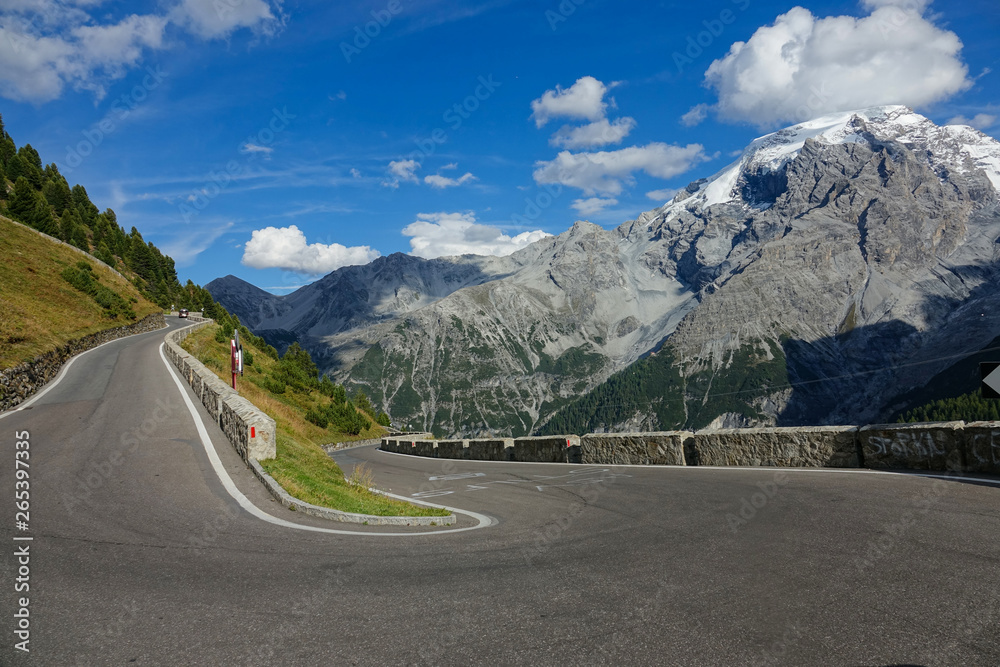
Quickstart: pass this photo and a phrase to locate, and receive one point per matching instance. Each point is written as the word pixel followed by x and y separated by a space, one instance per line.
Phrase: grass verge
pixel 39 309
pixel 302 467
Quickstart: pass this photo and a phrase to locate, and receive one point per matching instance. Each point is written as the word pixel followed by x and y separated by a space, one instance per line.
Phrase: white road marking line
pixel 772 469
pixel 448 478
pixel 244 502
pixel 62 373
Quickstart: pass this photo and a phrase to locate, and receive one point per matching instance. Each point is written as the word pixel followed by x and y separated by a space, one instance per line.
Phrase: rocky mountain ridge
pixel 848 246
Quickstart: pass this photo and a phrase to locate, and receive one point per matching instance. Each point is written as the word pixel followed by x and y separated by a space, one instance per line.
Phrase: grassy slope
pixel 40 311
pixel 301 467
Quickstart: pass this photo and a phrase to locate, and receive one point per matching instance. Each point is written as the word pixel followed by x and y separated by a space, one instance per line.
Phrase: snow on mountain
pixel 946 147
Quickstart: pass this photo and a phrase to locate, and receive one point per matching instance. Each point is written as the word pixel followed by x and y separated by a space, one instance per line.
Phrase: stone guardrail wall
pixel 19 383
pixel 254 435
pixel 942 446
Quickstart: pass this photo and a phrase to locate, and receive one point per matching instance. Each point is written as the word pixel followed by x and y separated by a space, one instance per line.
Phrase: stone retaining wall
pixel 943 446
pixel 453 449
pixel 19 383
pixel 252 433
pixel 552 449
pixel 816 447
pixel 982 447
pixel 936 446
pixel 634 448
pixel 501 449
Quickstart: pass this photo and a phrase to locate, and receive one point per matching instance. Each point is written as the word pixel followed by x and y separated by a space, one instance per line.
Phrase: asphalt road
pixel 140 556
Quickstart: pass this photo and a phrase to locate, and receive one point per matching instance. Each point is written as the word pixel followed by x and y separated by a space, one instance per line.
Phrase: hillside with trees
pixel 50 293
pixel 39 196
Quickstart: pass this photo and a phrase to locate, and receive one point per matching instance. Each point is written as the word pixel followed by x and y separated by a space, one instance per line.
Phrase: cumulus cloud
pixel 604 172
pixel 598 133
pixel 583 100
pixel 286 248
pixel 47 45
pixel 441 182
pixel 695 115
pixel 803 66
pixel 594 205
pixel 36 67
pixel 981 121
pixel 221 17
pixel 401 170
pixel 447 234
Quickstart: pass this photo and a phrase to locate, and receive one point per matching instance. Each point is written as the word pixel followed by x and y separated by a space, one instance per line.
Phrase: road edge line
pixel 244 502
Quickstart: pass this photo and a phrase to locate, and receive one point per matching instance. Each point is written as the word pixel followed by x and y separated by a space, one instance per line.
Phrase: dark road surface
pixel 141 556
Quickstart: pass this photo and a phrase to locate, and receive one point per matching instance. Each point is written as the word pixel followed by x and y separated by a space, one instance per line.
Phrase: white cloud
pixel 254 148
pixel 441 182
pixel 447 234
pixel 583 100
pixel 36 67
pixel 219 18
pixel 187 245
pixel 355 173
pixel 605 171
pixel 286 248
pixel 695 115
pixel 598 133
pixel 594 205
pixel 401 170
pixel 664 195
pixel 803 67
pixel 981 121
pixel 404 169
pixel 47 45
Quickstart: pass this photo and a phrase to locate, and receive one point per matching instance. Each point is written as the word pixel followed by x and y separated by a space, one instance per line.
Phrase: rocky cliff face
pixel 836 264
pixel 500 356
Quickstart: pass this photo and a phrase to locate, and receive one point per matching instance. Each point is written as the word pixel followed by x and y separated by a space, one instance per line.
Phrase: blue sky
pixel 278 141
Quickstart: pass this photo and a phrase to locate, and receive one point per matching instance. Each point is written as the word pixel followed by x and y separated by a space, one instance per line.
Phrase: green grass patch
pixel 41 309
pixel 302 468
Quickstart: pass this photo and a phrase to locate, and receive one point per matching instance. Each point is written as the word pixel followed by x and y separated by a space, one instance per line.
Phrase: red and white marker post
pixel 236 356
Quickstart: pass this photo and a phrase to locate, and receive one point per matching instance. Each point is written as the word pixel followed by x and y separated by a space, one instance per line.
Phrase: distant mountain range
pixel 836 265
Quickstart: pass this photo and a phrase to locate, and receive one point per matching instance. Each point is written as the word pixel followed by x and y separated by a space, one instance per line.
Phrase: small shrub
pixel 273 386
pixel 317 417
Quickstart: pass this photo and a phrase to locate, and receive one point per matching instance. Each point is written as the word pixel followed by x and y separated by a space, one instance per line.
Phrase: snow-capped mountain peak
pixel 947 148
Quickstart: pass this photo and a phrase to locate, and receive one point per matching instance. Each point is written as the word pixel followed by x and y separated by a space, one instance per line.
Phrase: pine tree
pixel 16 168
pixel 22 201
pixel 7 151
pixel 32 166
pixel 57 193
